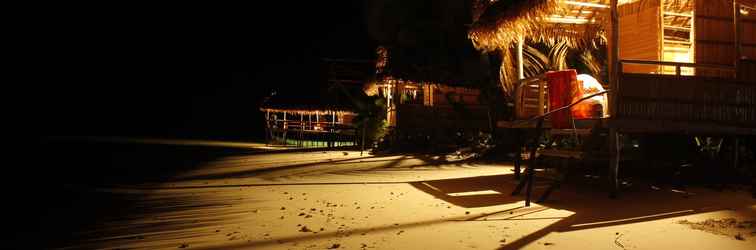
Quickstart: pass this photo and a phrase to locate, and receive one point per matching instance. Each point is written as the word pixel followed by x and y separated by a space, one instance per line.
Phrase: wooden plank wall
pixel 748 35
pixel 748 31
pixel 715 36
pixel 747 71
pixel 640 36
pixel 687 99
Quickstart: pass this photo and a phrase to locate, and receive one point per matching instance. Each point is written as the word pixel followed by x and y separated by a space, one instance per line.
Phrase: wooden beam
pixel 708 41
pixel 614 72
pixel 736 26
pixel 677 14
pixel 680 28
pixel 541 96
pixel 726 19
pixel 585 4
pixel 520 62
pixel 614 159
pixel 614 67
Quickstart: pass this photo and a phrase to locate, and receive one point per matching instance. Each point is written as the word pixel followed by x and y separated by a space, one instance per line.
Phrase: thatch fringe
pixel 303 111
pixel 505 22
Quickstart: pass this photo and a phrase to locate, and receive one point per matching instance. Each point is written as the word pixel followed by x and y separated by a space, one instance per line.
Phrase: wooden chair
pixel 589 138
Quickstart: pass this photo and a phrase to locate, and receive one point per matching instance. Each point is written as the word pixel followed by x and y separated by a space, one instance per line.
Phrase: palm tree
pixel 544 56
pixel 371 113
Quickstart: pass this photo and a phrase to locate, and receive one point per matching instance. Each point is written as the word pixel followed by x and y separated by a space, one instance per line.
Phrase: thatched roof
pixel 505 21
pixel 578 21
pixel 333 99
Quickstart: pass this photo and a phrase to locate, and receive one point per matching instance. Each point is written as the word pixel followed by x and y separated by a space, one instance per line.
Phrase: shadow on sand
pixel 591 208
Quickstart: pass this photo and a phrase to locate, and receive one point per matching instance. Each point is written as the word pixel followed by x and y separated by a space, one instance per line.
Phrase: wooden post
pixel 332 137
pixel 541 97
pixel 614 159
pixel 736 26
pixel 614 67
pixel 614 72
pixel 532 163
pixel 364 126
pixel 268 135
pixel 520 62
pixel 301 130
pixel 285 129
pixel 518 153
pixel 736 154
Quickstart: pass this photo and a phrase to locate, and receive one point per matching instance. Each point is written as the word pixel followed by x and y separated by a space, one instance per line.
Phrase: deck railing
pixel 311 133
pixel 679 65
pixel 683 98
pixel 531 97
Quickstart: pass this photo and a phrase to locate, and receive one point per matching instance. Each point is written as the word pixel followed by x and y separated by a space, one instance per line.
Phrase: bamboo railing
pixel 715 100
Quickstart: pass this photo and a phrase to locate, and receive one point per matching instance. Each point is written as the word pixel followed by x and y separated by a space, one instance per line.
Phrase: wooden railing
pixel 539 119
pixel 679 65
pixel 413 116
pixel 683 98
pixel 531 97
pixel 311 133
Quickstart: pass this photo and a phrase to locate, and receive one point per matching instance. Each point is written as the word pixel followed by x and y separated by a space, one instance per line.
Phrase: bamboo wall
pixel 715 35
pixel 640 36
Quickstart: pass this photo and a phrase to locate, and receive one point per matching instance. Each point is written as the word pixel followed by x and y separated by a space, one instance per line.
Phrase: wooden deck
pixel 645 104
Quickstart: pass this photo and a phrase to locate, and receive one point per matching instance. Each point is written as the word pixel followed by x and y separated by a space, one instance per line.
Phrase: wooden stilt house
pixel 674 67
pixel 302 122
pixel 323 117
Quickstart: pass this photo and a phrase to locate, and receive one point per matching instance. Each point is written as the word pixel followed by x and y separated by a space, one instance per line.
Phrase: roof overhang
pixel 506 21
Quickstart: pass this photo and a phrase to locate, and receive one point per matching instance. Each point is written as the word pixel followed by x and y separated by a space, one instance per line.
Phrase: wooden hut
pixel 323 117
pixel 300 120
pixel 426 108
pixel 675 66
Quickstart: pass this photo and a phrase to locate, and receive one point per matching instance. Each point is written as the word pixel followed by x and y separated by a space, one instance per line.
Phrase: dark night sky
pixel 177 70
pixel 200 71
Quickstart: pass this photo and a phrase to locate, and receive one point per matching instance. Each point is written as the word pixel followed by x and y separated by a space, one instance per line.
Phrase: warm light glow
pixel 595 5
pixel 557 19
pixel 586 109
pixel 639 218
pixel 680 54
pixel 473 193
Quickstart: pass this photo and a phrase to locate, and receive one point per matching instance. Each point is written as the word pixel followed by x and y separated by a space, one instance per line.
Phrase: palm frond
pixel 535 62
pixel 591 63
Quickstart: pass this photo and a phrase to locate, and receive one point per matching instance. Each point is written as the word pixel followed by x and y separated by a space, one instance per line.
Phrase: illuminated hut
pixel 426 108
pixel 325 118
pixel 307 120
pixel 675 66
